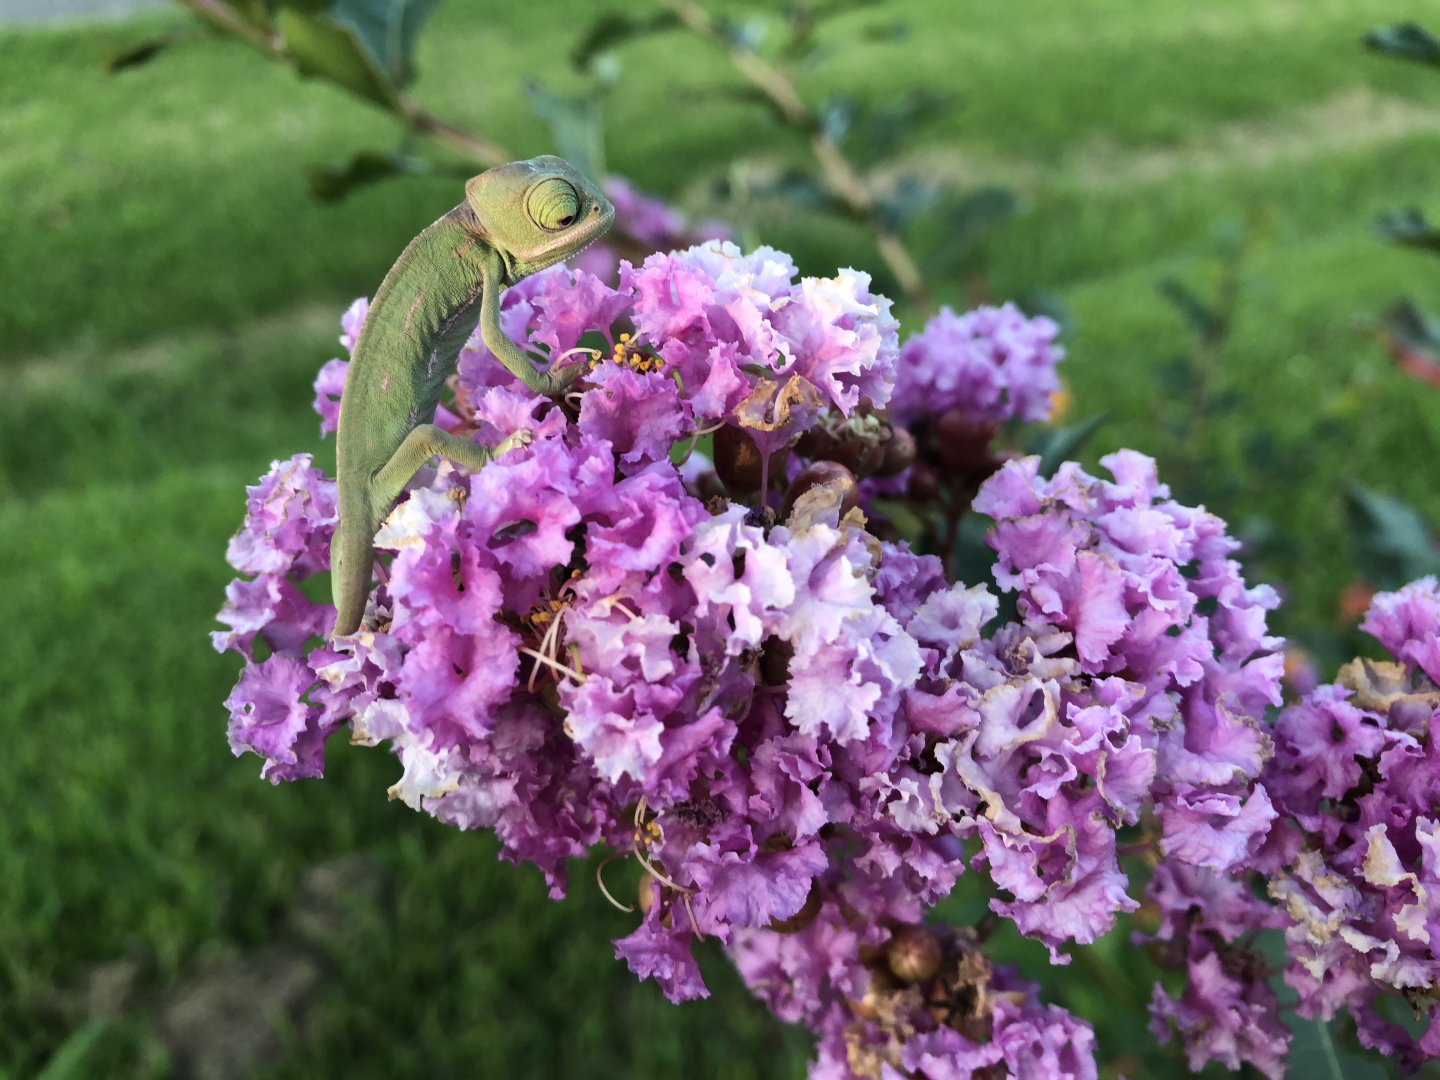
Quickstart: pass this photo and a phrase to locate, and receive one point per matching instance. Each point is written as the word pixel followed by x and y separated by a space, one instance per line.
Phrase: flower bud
pixel 899 453
pixel 962 444
pixel 924 483
pixel 738 460
pixel 914 954
pixel 823 474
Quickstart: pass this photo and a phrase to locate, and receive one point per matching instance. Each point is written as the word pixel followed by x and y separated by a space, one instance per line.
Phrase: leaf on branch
pixel 1408 41
pixel 610 31
pixel 908 199
pixel 1414 341
pixel 322 48
pixel 336 181
pixel 962 223
pixel 575 124
pixel 139 54
pixel 1410 228
pixel 875 134
pixel 364 46
pixel 1204 321
pixel 1394 543
pixel 388 29
pixel 795 186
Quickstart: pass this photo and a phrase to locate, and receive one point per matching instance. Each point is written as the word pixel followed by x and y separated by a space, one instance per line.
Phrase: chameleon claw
pixel 523 437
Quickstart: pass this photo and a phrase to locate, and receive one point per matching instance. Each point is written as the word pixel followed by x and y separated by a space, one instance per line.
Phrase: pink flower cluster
pixel 802 731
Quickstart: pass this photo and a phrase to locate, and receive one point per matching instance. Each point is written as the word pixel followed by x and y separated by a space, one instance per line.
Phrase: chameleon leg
pixel 426 441
pixel 548 383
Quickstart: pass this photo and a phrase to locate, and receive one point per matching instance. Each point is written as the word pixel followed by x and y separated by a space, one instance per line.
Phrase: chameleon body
pixel 515 220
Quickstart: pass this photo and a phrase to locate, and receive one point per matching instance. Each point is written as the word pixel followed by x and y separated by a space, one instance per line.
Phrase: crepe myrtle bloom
pixel 796 726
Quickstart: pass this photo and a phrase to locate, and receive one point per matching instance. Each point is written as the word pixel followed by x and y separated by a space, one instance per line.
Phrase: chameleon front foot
pixel 523 437
pixel 553 382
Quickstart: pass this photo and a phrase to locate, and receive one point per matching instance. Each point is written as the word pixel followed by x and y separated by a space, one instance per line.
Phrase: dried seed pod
pixel 823 474
pixel 899 453
pixel 924 483
pixel 962 444
pixel 914 954
pixel 738 460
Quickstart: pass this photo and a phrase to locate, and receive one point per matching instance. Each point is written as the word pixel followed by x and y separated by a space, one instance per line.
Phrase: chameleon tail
pixel 352 559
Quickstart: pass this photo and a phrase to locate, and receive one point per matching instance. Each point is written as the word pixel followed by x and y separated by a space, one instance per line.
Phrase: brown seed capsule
pixel 962 444
pixel 924 483
pixel 914 954
pixel 737 461
pixel 819 474
pixel 899 453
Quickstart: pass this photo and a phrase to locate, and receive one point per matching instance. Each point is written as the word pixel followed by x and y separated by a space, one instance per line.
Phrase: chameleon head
pixel 538 212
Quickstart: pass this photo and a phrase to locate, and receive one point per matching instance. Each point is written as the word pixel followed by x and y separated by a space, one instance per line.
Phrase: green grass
pixel 170 292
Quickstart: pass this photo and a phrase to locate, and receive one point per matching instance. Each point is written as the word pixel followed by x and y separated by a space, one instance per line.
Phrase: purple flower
pixel 991 364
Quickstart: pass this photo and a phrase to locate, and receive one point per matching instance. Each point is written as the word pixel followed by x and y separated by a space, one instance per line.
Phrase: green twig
pixel 841 177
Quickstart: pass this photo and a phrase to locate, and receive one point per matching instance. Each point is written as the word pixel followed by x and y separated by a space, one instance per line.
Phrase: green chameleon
pixel 515 220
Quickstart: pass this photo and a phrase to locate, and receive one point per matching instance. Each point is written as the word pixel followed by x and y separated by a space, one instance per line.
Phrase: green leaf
pixel 1394 543
pixel 142 52
pixel 1408 41
pixel 612 30
pixel 875 134
pixel 1204 321
pixel 1410 228
pixel 1057 445
pixel 910 197
pixel 76 1057
pixel 575 123
pixel 336 181
pixel 963 222
pixel 387 29
pixel 326 49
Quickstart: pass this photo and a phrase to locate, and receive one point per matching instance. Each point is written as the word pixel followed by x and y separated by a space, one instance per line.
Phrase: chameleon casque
pixel 515 220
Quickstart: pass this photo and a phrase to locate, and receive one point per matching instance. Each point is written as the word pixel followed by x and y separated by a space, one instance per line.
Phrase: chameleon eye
pixel 553 204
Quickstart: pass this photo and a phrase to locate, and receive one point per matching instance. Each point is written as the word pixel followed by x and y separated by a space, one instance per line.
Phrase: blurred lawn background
pixel 170 291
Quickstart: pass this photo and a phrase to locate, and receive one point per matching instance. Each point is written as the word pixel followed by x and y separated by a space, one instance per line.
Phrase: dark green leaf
pixel 1057 445
pixel 1408 41
pixel 1414 341
pixel 339 180
pixel 877 133
pixel 963 222
pixel 1177 377
pixel 1394 544
pixel 142 52
pixel 1412 328
pixel 795 186
pixel 746 35
pixel 325 49
pixel 615 29
pixel 910 197
pixel 1204 321
pixel 1043 302
pixel 1409 227
pixel 575 124
pixel 836 116
pixel 387 29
